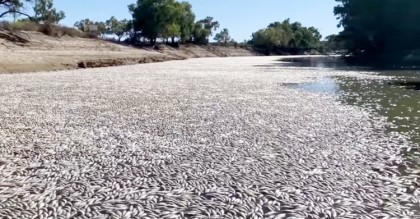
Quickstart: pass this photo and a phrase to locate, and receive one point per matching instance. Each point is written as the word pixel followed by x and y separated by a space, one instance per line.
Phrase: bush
pixel 73 32
pixel 20 25
pixel 59 31
pixel 47 29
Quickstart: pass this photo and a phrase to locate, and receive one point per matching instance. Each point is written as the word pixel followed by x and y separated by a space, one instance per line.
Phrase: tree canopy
pixel 83 25
pixel 380 31
pixel 286 37
pixel 223 36
pixel 162 18
pixel 12 7
pixel 46 13
pixel 117 27
pixel 203 29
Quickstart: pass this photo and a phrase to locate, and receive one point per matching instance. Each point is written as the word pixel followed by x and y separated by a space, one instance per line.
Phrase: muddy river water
pixel 396 98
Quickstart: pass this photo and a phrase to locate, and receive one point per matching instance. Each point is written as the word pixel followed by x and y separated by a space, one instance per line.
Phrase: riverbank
pixel 44 53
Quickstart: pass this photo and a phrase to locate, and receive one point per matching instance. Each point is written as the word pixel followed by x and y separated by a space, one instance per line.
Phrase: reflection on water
pixel 397 99
pixel 323 85
pixel 316 62
pixel 413 85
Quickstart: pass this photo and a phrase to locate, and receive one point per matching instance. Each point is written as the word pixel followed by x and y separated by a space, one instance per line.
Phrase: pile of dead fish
pixel 203 138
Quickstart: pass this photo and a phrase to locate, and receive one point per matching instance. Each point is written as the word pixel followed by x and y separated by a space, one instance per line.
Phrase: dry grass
pixel 48 29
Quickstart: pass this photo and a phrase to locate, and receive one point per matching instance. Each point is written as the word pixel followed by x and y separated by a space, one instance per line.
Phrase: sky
pixel 241 17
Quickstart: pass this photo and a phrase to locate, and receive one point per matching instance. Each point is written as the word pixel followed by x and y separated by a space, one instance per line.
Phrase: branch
pixel 17 12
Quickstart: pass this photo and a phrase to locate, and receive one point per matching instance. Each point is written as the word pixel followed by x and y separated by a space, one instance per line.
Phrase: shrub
pixel 20 25
pixel 47 29
pixel 70 31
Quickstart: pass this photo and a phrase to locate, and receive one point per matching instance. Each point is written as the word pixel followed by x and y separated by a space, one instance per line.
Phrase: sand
pixel 45 53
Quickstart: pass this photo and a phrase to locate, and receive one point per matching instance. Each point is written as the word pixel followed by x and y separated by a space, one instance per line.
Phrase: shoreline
pixel 44 53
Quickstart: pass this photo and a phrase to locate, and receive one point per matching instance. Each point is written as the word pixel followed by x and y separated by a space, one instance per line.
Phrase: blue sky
pixel 241 17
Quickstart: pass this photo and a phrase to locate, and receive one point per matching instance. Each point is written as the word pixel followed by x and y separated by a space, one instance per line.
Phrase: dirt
pixel 38 52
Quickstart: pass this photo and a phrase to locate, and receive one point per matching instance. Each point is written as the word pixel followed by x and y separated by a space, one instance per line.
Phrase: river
pixel 237 137
pixel 397 98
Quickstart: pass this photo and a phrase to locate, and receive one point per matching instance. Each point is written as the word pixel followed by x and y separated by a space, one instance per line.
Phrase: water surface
pixel 397 98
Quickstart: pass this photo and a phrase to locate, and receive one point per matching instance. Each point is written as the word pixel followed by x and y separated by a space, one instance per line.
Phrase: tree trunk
pixel 173 40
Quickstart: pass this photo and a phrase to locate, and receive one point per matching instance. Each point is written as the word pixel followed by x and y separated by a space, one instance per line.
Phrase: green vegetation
pixel 12 7
pixel 381 32
pixel 285 37
pixel 153 19
pixel 50 29
pixel 118 27
pixel 375 31
pixel 333 43
pixel 169 19
pixel 203 29
pixel 45 12
pixel 45 18
pixel 223 37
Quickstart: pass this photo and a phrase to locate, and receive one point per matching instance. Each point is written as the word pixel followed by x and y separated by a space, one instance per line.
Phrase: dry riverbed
pixel 200 138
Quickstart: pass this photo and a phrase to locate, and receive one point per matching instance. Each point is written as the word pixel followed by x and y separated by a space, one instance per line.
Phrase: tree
pixel 162 19
pixel 287 37
pixel 12 7
pixel 172 26
pixel 209 24
pixel 333 43
pixel 81 25
pixel 267 38
pixel 186 21
pixel 203 29
pixel 200 34
pixel 172 30
pixel 85 23
pixel 117 27
pixel 46 13
pixel 223 37
pixel 151 17
pixel 380 31
pixel 101 28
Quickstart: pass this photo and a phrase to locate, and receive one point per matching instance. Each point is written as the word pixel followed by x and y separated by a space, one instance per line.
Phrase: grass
pixel 48 29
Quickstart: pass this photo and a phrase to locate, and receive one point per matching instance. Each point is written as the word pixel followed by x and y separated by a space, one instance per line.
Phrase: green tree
pixel 162 19
pixel 203 29
pixel 223 37
pixel 172 27
pixel 102 30
pixel 12 7
pixel 151 17
pixel 46 13
pixel 268 38
pixel 117 27
pixel 85 23
pixel 333 43
pixel 81 25
pixel 200 34
pixel 172 31
pixel 380 31
pixel 210 24
pixel 287 37
pixel 186 21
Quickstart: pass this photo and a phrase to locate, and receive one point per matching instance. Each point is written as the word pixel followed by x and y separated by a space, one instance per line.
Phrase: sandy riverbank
pixel 45 53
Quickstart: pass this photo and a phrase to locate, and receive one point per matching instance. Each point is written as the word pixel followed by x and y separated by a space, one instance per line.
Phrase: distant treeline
pixel 383 32
pixel 168 21
pixel 286 37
